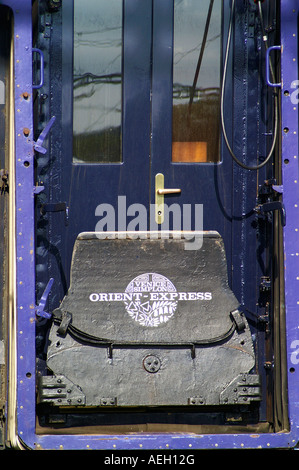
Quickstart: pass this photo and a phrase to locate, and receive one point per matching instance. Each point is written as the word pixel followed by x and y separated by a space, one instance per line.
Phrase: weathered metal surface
pixel 242 390
pixel 60 390
pixel 164 316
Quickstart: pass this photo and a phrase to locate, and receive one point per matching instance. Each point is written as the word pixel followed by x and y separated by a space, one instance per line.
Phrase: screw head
pixel 151 363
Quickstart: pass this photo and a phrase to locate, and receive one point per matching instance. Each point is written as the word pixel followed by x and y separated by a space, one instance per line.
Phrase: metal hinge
pixel 47 25
pixel 59 390
pixel 251 24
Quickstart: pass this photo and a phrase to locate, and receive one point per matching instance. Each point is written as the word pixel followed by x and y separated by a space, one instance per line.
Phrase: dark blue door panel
pixel 88 185
pixel 206 183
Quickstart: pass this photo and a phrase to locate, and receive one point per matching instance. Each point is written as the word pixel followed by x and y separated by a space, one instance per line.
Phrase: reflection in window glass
pixel 97 81
pixel 196 81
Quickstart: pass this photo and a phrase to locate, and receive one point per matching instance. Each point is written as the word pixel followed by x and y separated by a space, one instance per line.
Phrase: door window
pixel 196 81
pixel 97 81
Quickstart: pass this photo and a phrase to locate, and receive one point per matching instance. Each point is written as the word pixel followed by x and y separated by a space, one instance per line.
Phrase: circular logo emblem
pixel 150 307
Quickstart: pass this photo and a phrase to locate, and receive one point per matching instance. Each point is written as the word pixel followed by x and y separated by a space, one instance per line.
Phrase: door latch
pixel 267 200
pixel 56 207
pixel 160 192
pixel 273 206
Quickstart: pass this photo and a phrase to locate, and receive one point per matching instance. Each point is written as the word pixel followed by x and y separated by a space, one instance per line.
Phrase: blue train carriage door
pixel 179 315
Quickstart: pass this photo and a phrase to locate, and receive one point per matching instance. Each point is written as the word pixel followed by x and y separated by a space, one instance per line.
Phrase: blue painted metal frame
pixel 25 266
pixel 290 169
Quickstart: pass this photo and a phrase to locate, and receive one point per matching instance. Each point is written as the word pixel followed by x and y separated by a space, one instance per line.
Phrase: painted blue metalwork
pixel 289 42
pixel 25 265
pixel 25 257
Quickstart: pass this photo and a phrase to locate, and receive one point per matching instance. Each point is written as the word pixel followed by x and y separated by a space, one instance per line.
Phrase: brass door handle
pixel 169 191
pixel 159 197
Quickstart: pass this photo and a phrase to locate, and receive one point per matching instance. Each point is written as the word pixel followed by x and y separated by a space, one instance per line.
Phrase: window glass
pixel 196 81
pixel 97 81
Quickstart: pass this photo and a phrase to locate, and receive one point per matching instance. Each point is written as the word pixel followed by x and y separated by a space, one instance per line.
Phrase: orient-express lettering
pixel 152 296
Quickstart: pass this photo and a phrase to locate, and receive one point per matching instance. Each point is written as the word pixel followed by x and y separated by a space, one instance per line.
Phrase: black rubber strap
pixel 64 319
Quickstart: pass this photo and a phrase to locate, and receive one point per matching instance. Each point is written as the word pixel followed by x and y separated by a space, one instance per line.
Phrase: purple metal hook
pixel 269 50
pixel 38 145
pixel 41 68
pixel 40 309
